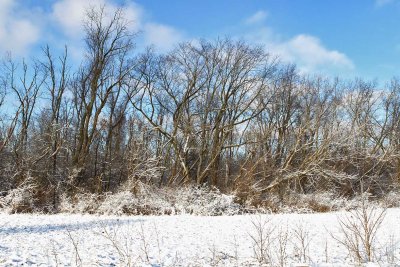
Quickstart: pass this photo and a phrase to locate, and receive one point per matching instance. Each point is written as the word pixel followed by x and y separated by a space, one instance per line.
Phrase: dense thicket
pixel 223 113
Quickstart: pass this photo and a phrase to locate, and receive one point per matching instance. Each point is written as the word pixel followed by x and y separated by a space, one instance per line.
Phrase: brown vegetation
pixel 223 113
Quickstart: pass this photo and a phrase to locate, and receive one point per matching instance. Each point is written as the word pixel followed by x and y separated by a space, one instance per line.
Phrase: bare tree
pixel 207 93
pixel 107 66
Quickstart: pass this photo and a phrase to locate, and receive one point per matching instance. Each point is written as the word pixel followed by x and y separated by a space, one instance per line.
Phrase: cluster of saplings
pixel 220 113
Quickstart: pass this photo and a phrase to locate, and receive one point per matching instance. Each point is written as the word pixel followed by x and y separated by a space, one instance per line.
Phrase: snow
pixel 180 240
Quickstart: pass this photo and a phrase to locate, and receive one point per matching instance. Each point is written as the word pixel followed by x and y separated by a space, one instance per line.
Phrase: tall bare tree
pixel 108 46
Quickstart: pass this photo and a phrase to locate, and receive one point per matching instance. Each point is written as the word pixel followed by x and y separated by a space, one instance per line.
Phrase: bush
pixel 22 198
pixel 146 199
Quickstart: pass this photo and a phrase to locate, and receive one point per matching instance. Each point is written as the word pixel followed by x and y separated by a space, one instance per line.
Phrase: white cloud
pixel 22 27
pixel 257 17
pixel 311 55
pixel 5 6
pixel 306 51
pixel 18 31
pixel 70 14
pixel 134 14
pixel 163 37
pixel 380 3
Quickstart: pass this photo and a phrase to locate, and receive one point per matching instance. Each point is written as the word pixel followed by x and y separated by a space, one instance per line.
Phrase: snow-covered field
pixel 185 240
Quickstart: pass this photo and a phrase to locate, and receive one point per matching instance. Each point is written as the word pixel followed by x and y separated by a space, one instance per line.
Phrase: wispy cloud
pixel 311 55
pixel 307 51
pixel 162 37
pixel 76 9
pixel 71 27
pixel 380 3
pixel 71 24
pixel 23 28
pixel 257 17
pixel 18 28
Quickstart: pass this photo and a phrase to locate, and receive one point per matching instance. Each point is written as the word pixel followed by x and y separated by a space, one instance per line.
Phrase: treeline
pixel 223 113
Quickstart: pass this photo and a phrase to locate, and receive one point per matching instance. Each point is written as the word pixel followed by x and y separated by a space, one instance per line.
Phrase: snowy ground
pixel 84 240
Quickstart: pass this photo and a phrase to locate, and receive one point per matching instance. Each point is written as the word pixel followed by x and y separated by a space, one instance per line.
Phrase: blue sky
pixel 333 37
